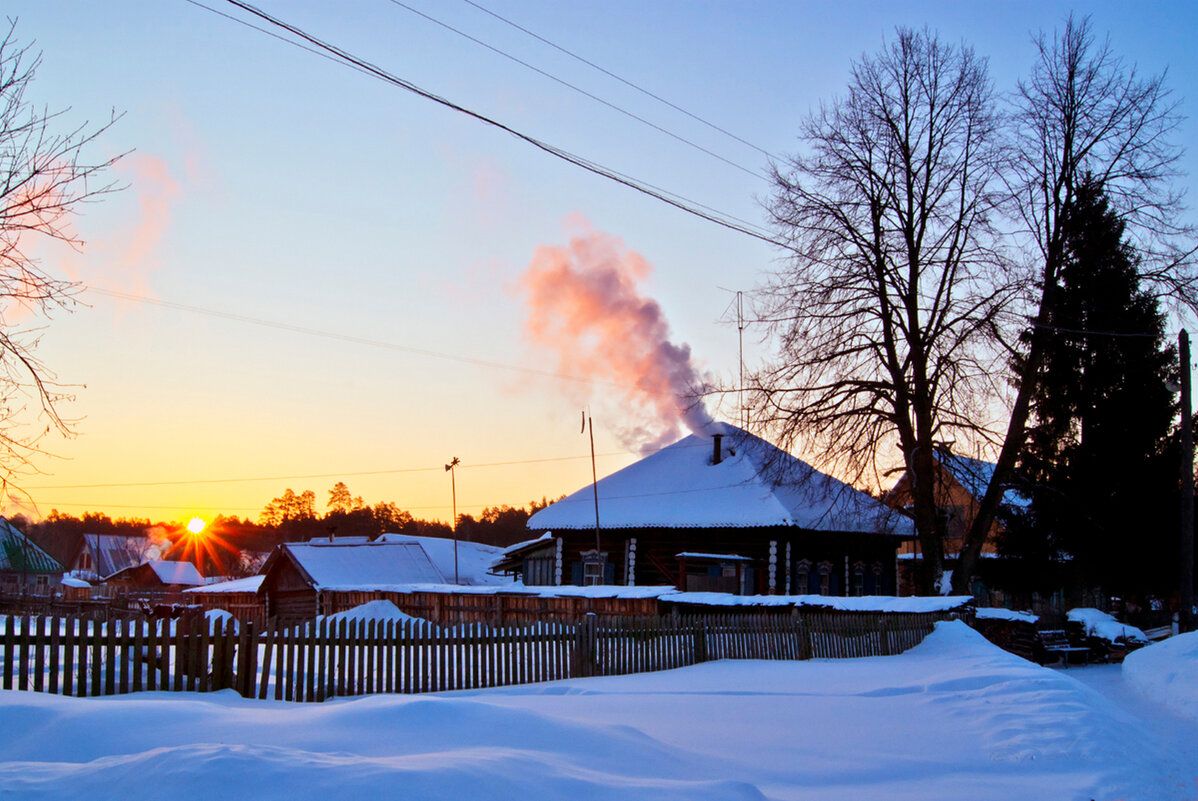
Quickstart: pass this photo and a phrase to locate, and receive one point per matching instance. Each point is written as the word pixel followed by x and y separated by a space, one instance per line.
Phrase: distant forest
pixel 232 546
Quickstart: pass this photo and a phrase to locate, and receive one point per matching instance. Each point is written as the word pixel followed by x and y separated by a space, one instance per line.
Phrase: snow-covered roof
pixel 722 557
pixel 998 613
pixel 474 558
pixel 177 573
pixel 369 565
pixel 974 475
pixel 754 485
pixel 250 584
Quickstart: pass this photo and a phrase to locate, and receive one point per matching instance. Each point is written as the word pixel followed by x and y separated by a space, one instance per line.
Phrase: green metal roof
pixel 19 553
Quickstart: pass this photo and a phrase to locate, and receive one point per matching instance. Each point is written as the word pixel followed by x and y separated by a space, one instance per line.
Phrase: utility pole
pixel 453 484
pixel 740 352
pixel 594 475
pixel 1187 487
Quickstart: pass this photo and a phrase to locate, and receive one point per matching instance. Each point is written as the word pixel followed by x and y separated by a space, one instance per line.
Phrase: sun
pixel 196 525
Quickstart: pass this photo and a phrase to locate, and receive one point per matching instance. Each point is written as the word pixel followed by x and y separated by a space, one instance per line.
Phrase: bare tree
pixel 886 312
pixel 44 177
pixel 1083 117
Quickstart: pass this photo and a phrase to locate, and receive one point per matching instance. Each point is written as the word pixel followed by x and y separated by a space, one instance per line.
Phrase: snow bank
pixel 373 610
pixel 997 613
pixel 1167 672
pixel 1101 625
pixel 70 581
pixel 953 718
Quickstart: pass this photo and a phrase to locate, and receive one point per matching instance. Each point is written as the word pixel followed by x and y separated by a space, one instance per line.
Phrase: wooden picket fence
pixel 316 661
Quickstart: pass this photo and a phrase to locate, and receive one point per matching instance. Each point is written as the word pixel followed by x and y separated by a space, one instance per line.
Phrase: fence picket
pixel 55 636
pixel 315 661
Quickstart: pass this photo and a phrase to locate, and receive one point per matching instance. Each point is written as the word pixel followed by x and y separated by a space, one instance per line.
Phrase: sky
pixel 314 276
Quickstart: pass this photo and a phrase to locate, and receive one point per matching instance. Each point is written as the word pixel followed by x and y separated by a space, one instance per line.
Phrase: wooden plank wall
pixel 315 661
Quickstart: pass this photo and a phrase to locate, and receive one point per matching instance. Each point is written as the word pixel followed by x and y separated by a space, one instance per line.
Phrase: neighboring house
pixel 727 512
pixel 101 555
pixel 960 484
pixel 24 567
pixel 160 576
pixel 298 575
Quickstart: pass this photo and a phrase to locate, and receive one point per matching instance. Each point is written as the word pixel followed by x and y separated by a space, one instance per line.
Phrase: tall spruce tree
pixel 1099 461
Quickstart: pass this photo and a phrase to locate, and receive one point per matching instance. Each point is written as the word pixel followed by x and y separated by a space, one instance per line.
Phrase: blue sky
pixel 268 183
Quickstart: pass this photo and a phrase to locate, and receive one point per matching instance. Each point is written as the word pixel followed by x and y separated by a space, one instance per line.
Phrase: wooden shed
pixel 298 577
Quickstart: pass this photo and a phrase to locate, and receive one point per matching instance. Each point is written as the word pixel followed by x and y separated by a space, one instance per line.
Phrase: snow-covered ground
pixel 953 718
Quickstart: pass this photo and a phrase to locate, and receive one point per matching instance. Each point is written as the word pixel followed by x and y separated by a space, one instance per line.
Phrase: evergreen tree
pixel 1098 460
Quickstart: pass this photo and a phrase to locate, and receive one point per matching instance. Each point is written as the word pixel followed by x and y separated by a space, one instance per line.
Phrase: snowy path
pixel 953 718
pixel 1173 735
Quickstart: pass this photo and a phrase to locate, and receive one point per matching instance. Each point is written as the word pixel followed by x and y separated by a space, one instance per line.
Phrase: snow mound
pixel 373 610
pixel 419 748
pixel 226 619
pixel 1101 625
pixel 955 717
pixel 1167 672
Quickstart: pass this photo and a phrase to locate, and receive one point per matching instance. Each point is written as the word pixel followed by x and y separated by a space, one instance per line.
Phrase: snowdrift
pixel 953 718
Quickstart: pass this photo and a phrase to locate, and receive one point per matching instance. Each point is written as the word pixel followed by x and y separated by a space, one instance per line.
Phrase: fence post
pixel 584 648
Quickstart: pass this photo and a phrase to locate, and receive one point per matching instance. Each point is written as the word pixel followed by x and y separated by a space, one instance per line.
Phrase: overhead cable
pixel 624 81
pixel 354 62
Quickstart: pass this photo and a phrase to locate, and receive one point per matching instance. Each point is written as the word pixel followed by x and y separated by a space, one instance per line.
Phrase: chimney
pixel 716 455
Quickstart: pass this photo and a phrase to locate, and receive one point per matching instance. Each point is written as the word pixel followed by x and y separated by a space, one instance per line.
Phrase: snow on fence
pixel 347 657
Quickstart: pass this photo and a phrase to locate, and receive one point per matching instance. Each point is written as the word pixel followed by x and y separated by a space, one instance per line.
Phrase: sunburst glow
pixel 196 525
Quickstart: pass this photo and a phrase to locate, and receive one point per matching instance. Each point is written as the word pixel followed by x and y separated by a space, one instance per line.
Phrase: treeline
pixel 233 546
pixel 296 518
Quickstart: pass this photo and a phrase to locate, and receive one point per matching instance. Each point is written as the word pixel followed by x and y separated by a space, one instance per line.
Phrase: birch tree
pixel 45 176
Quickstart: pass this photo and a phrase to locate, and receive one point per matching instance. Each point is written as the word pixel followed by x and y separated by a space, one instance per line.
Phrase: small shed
pixel 238 597
pixel 161 575
pixel 297 576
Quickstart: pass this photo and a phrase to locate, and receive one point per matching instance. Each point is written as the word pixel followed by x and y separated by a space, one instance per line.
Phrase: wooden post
pixel 271 623
pixel 55 633
pixel 584 648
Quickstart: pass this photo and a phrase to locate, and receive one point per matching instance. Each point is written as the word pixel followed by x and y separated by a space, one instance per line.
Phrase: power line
pixel 299 329
pixel 582 91
pixel 669 198
pixel 342 474
pixel 624 81
pixel 1094 333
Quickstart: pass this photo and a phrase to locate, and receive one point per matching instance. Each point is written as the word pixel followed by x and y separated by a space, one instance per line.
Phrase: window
pixel 803 577
pixel 859 578
pixel 825 578
pixel 594 567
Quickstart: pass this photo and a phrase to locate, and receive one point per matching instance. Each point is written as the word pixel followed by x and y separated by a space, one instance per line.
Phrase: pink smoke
pixel 125 258
pixel 584 303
